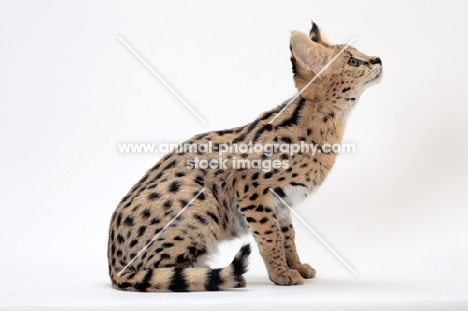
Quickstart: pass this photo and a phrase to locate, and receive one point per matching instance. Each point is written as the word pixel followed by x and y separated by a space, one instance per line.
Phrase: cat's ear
pixel 309 54
pixel 314 33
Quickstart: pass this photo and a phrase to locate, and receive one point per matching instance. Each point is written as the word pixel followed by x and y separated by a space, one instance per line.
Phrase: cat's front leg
pixel 270 240
pixel 292 258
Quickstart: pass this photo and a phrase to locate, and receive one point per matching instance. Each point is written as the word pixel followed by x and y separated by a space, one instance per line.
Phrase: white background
pixel 70 91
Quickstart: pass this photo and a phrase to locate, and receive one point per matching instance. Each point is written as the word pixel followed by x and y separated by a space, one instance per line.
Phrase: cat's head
pixel 343 71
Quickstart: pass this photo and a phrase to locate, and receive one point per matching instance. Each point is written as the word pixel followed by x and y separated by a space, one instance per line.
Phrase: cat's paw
pixel 306 270
pixel 288 277
pixel 241 281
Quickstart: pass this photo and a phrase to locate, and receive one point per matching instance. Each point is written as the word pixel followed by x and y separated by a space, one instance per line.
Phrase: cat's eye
pixel 353 62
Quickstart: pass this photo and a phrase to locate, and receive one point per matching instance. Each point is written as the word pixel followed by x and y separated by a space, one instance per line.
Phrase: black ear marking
pixel 294 66
pixel 314 33
pixel 293 62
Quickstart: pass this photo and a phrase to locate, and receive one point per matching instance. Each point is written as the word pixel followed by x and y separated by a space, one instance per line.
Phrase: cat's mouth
pixel 374 80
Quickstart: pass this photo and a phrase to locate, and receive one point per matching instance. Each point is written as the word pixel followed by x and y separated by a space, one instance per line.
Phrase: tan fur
pixel 237 201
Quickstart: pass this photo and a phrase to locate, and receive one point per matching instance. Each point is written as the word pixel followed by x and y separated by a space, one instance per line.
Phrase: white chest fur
pixel 294 195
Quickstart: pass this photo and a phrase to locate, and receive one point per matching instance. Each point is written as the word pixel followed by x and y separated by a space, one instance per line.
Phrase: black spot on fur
pixel 252 126
pixel 167 205
pixel 213 216
pixel 213 280
pixel 124 285
pixel 238 138
pixel 141 230
pixel 145 282
pixel 279 191
pixel 259 132
pixel 199 180
pixel 182 258
pixel 119 219
pixel 178 282
pixel 214 190
pixel 157 166
pixel 238 265
pixel 120 239
pixel 174 187
pixel 223 132
pixel 157 177
pixel 294 119
pixel 201 219
pixel 250 219
pixel 154 196
pixel 247 208
pixel 129 221
pixel 145 178
pixel 200 197
pixel 170 165
pixel 193 250
pixel 298 184
pixel 146 213
pixel 125 198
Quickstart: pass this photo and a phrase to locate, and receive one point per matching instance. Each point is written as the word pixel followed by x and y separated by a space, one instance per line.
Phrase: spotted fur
pixel 238 201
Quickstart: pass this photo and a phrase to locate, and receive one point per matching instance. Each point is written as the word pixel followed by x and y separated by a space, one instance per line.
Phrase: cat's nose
pixel 376 60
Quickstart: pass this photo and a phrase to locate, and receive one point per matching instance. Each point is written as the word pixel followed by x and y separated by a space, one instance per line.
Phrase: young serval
pixel 236 200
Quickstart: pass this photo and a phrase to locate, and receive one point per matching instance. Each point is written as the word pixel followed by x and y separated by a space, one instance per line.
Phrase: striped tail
pixel 185 279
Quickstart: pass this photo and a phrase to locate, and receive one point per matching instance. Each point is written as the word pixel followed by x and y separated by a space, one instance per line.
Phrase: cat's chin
pixel 375 80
